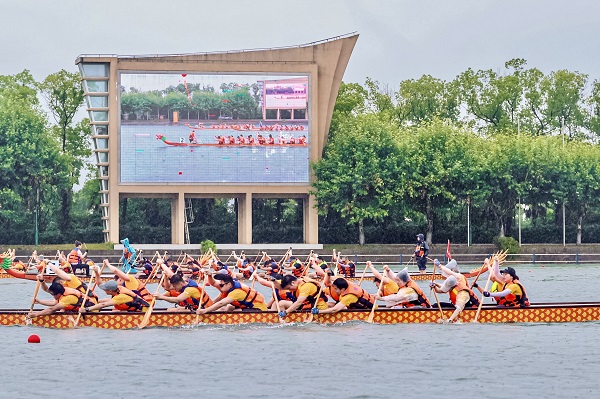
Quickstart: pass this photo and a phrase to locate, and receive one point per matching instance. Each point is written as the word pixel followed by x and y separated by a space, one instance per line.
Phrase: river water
pixel 353 360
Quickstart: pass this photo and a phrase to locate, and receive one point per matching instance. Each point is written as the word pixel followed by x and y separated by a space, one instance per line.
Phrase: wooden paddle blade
pixel 146 318
pixel 310 318
pixel 371 315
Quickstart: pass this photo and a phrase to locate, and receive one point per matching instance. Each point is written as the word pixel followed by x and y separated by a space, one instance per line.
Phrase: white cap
pixel 403 275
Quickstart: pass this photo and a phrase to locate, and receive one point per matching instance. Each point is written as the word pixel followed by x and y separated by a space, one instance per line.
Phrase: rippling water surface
pixel 353 360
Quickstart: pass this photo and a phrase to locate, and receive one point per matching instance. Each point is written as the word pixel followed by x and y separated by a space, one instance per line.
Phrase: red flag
pixel 448 255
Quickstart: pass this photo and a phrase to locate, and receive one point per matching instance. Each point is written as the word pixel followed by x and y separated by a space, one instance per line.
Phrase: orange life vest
pixel 421 298
pixel 512 300
pixel 73 257
pixel 473 300
pixel 310 301
pixel 136 304
pixel 193 303
pixel 79 304
pixel 365 300
pixel 251 296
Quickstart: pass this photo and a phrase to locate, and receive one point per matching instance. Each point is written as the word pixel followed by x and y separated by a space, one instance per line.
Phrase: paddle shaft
pixel 437 300
pixel 482 297
pixel 310 317
pixel 201 298
pixel 363 275
pixel 379 292
pixel 85 298
pixel 146 318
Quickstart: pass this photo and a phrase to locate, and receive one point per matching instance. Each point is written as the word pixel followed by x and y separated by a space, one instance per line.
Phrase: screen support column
pixel 245 219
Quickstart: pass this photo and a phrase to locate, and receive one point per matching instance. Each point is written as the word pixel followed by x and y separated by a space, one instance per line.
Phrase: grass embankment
pixel 62 247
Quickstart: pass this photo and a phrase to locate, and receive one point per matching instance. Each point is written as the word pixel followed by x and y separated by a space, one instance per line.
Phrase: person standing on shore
pixel 421 252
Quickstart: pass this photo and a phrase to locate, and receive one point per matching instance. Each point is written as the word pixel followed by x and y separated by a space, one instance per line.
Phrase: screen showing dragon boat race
pixel 214 128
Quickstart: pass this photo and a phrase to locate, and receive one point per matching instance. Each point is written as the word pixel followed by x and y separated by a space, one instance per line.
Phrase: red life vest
pixel 298 270
pixel 365 300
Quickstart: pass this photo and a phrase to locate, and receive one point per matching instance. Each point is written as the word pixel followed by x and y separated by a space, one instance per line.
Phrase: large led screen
pixel 214 128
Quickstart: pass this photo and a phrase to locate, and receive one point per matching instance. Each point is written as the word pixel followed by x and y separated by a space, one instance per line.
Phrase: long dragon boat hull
pixel 184 144
pixel 537 313
pixel 12 273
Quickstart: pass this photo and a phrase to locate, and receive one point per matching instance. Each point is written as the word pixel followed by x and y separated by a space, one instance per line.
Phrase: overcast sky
pixel 398 39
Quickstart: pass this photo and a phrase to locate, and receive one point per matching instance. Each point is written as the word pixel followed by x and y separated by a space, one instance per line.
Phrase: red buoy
pixel 33 339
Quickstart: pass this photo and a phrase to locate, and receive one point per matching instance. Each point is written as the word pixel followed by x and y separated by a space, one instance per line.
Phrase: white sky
pixel 399 39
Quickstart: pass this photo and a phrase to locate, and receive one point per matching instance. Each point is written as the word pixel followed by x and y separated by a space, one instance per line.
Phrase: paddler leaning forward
pixel 409 295
pixel 351 295
pixel 457 287
pixel 121 298
pixel 308 295
pixel 65 299
pixel 234 295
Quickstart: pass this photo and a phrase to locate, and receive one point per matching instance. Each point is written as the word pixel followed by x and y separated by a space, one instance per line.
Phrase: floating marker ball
pixel 180 173
pixel 33 339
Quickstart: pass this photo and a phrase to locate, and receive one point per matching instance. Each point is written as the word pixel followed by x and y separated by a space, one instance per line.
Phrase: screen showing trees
pixel 214 128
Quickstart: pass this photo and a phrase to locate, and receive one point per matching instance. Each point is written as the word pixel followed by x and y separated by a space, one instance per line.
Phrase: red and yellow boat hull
pixel 540 313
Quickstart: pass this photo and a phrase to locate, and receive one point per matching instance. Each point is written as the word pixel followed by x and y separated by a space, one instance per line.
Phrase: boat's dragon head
pixel 160 137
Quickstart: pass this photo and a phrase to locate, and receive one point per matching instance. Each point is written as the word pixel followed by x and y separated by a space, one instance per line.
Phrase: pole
pixel 468 222
pixel 520 212
pixel 564 227
pixel 37 207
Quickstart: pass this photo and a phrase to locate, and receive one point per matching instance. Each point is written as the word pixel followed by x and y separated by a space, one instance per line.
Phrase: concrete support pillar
pixel 113 214
pixel 311 221
pixel 178 219
pixel 245 219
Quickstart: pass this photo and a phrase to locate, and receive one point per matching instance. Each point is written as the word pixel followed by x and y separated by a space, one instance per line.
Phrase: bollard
pixel 400 259
pixel 577 259
pixel 533 258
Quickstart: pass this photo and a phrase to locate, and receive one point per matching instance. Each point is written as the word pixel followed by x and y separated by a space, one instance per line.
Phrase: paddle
pixel 310 317
pixel 146 318
pixel 435 294
pixel 35 293
pixel 85 298
pixel 277 302
pixel 201 298
pixel 363 275
pixel 482 297
pixel 379 292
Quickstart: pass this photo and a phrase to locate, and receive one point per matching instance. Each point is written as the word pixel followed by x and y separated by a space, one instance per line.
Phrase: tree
pixel 427 98
pixel 357 175
pixel 64 95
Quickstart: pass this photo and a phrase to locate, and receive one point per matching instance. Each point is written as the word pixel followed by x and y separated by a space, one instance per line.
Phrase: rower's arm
pixel 60 272
pixel 122 275
pixel 46 302
pixel 47 311
pixel 99 306
pixel 180 298
pixel 396 298
pixel 338 306
pixel 375 272
pixel 500 294
pixel 218 305
pixel 299 301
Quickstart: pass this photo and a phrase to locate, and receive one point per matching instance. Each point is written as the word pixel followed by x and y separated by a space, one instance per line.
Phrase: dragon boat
pixel 536 313
pixel 13 273
pixel 256 145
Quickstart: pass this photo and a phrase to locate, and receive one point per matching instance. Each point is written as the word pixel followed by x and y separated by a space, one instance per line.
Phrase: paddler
pixel 409 293
pixel 121 298
pixel 389 286
pixel 511 292
pixel 186 294
pixel 65 299
pixel 457 287
pixel 351 297
pixel 68 280
pixel 234 295
pixel 129 281
pixel 307 291
pixel 76 259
